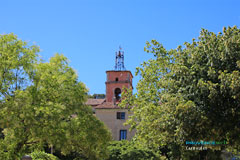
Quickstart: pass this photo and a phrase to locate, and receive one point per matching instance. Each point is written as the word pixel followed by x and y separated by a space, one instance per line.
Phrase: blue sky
pixel 89 32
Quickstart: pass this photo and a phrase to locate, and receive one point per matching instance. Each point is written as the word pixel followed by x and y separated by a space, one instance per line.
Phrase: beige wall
pixel 109 118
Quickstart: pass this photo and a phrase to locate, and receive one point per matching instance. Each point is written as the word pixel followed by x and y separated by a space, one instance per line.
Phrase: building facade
pixel 107 110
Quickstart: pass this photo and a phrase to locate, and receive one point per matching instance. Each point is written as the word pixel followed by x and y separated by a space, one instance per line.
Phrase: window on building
pixel 116 79
pixel 117 94
pixel 123 134
pixel 120 115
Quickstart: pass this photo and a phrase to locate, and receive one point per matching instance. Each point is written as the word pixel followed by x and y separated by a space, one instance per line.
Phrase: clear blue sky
pixel 89 32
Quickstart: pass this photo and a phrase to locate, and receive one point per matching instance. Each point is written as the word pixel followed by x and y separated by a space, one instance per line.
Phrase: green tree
pixel 191 93
pixel 16 64
pixel 17 60
pixel 125 150
pixel 50 112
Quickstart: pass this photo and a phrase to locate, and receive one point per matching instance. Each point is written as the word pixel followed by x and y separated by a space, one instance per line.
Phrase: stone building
pixel 107 110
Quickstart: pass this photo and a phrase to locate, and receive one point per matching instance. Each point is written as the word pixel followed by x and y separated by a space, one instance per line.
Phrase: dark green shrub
pixel 124 150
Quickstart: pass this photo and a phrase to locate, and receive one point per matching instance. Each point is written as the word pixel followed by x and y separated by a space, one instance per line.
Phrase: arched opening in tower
pixel 117 93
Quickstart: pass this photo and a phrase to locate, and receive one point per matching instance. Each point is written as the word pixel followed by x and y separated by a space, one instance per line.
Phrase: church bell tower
pixel 117 79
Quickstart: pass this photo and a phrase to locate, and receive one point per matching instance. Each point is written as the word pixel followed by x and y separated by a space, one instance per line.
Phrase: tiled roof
pixel 94 102
pixel 107 105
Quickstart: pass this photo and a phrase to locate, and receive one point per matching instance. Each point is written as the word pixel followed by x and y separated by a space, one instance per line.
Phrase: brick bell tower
pixel 117 79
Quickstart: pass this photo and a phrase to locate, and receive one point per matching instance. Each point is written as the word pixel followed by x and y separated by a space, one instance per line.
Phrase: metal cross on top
pixel 119 62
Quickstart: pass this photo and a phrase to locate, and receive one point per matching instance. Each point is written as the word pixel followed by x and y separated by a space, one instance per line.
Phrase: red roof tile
pixel 95 102
pixel 107 105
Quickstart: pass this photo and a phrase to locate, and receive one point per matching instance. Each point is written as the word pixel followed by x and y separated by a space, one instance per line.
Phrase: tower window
pixel 116 79
pixel 117 93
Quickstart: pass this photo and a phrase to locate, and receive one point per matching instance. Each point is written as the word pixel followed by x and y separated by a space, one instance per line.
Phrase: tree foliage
pixel 49 110
pixel 39 155
pixel 191 93
pixel 125 150
pixel 16 64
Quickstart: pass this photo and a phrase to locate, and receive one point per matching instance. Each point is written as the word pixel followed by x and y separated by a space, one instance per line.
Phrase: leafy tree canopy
pixel 43 105
pixel 191 93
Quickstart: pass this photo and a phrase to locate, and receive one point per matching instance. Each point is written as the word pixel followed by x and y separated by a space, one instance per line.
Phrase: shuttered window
pixel 123 134
pixel 120 115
